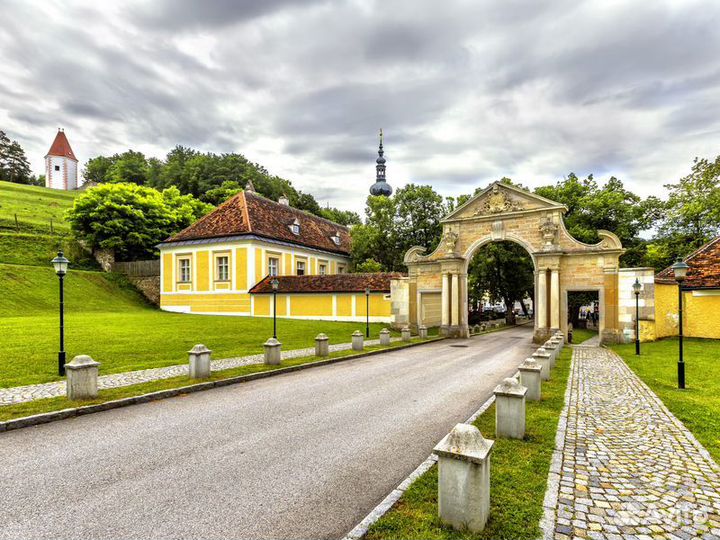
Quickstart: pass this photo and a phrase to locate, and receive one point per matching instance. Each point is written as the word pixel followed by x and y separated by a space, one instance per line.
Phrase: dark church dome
pixel 380 187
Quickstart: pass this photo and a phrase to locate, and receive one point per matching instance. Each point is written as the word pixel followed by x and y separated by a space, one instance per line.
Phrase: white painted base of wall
pixel 358 319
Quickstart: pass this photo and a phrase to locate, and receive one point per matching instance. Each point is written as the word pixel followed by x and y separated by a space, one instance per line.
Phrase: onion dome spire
pixel 380 187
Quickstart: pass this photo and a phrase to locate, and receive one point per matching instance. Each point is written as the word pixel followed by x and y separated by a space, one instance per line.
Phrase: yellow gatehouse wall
pixel 700 309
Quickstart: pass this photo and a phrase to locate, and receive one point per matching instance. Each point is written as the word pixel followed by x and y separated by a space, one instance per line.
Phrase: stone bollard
pixel 357 340
pixel 384 336
pixel 510 409
pixel 542 357
pixel 560 338
pixel 405 333
pixel 476 329
pixel 199 358
pixel 530 378
pixel 422 332
pixel 551 347
pixel 82 377
pixel 273 348
pixel 322 345
pixel 483 326
pixel 464 478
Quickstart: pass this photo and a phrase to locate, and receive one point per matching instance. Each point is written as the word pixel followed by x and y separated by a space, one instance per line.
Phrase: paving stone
pixel 629 468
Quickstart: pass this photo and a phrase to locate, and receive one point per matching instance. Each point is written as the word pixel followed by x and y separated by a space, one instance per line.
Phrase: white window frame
pixel 180 260
pixel 218 274
pixel 322 268
pixel 273 271
pixel 297 268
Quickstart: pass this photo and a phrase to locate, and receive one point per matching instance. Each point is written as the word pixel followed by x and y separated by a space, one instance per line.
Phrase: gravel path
pixel 21 394
pixel 301 455
pixel 627 468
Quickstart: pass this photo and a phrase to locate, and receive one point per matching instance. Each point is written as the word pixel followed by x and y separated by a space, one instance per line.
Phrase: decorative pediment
pixel 499 198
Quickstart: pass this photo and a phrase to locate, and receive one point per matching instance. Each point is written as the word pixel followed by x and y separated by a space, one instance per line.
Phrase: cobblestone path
pixel 21 394
pixel 624 466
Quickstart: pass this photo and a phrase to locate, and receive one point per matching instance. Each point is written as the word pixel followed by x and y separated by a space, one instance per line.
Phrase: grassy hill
pixel 33 228
pixel 35 208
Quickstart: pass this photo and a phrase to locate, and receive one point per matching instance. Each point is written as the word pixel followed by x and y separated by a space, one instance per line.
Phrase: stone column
pixel 555 298
pixel 405 333
pixel 322 345
pixel 445 316
pixel 510 409
pixel 455 297
pixel 384 336
pixel 530 379
pixel 463 306
pixel 82 376
pixel 464 478
pixel 422 332
pixel 357 340
pixel 273 349
pixel 542 357
pixel 199 359
pixel 541 300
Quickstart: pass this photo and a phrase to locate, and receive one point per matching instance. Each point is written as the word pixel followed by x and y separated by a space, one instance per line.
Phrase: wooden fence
pixel 138 268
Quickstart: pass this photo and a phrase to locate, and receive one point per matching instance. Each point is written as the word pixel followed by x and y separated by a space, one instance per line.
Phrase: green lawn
pixel 109 320
pixel 519 471
pixel 698 406
pixel 35 207
pixel 582 334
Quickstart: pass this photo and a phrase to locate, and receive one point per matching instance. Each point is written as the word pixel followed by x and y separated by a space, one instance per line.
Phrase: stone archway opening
pixel 501 284
pixel 437 283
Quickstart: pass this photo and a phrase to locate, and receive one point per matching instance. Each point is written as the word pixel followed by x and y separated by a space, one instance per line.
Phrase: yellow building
pixel 211 266
pixel 700 294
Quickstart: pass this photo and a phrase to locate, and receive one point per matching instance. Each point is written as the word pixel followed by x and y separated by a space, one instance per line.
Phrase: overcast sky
pixel 466 91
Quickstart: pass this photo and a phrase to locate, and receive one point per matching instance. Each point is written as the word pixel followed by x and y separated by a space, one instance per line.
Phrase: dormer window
pixel 336 238
pixel 295 227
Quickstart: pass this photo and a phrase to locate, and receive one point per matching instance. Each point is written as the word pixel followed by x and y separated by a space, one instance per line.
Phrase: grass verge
pixel 517 483
pixel 582 334
pixel 698 405
pixel 21 410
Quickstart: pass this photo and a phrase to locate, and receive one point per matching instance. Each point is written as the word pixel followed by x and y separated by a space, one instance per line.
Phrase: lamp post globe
pixel 60 263
pixel 637 287
pixel 367 312
pixel 274 283
pixel 680 269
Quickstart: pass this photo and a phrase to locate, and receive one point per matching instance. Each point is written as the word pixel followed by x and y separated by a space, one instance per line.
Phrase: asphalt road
pixel 302 455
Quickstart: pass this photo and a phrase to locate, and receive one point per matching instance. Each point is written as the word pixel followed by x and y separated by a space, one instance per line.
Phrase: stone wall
pixel 149 286
pixel 646 301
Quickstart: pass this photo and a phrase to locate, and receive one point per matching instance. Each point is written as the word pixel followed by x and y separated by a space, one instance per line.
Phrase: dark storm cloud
pixel 182 14
pixel 467 91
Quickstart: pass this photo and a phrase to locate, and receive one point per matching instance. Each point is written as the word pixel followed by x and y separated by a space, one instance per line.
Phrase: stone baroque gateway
pixel 562 263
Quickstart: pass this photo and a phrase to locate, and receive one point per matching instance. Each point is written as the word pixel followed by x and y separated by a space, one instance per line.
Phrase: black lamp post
pixel 680 270
pixel 636 289
pixel 61 265
pixel 275 283
pixel 367 312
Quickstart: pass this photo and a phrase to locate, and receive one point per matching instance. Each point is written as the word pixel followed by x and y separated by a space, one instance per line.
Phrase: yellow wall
pixel 699 312
pixel 311 305
pixel 167 263
pixel 289 270
pixel 203 270
pixel 259 274
pixel 209 303
pixel 344 305
pixel 262 305
pixel 241 271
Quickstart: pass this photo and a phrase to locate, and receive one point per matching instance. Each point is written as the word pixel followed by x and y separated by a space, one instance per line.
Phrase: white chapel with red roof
pixel 61 170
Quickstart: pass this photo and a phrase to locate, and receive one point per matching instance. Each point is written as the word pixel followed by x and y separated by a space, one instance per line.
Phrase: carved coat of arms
pixel 497 202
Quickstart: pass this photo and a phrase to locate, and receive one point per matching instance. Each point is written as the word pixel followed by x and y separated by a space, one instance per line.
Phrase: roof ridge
pixel 304 212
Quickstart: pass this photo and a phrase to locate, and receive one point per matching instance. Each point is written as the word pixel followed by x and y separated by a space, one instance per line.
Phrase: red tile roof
pixel 61 147
pixel 248 213
pixel 704 271
pixel 335 283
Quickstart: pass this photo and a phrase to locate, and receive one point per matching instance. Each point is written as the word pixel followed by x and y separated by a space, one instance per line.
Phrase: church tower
pixel 380 187
pixel 61 164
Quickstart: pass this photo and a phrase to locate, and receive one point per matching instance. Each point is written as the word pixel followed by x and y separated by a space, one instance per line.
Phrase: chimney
pixel 284 200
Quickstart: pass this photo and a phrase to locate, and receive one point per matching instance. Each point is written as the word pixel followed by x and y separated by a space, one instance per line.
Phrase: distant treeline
pixel 212 178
